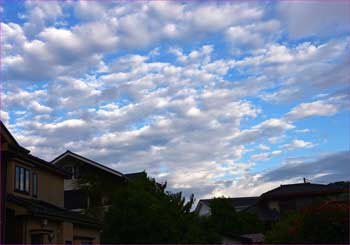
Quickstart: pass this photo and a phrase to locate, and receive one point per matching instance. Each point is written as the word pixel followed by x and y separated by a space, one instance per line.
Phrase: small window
pixel 35 185
pixel 22 179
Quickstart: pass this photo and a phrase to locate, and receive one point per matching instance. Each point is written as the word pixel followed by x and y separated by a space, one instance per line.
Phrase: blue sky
pixel 217 98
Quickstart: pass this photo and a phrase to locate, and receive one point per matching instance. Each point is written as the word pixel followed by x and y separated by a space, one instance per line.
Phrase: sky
pixel 217 98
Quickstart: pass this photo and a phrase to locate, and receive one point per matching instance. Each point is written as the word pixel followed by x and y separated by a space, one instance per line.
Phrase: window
pixel 68 242
pixel 35 185
pixel 22 179
pixel 75 171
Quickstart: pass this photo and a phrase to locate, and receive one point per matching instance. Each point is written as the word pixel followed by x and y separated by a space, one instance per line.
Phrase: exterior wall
pixel 69 184
pixel 82 234
pixel 67 232
pixel 36 226
pixel 53 231
pixel 52 193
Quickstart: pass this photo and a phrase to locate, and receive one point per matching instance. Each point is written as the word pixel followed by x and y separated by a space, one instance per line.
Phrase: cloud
pixel 38 108
pixel 332 167
pixel 185 91
pixel 269 128
pixel 318 108
pixel 265 156
pixel 311 19
pixel 295 144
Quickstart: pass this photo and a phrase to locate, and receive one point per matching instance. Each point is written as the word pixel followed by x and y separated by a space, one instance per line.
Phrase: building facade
pixel 33 201
pixel 86 170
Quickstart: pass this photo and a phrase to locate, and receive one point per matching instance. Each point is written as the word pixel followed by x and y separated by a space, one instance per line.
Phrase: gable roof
pixel 23 154
pixel 8 137
pixel 302 189
pixel 87 161
pixel 235 202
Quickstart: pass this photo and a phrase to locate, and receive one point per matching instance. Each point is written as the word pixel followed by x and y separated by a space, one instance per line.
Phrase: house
pixel 277 202
pixel 82 167
pixel 33 201
pixel 239 203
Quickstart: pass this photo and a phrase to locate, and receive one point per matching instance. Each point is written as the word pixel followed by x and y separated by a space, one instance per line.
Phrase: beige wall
pixel 80 231
pixel 50 185
pixel 60 231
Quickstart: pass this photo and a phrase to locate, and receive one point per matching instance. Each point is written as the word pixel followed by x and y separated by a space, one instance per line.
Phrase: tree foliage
pixel 319 223
pixel 144 212
pixel 226 221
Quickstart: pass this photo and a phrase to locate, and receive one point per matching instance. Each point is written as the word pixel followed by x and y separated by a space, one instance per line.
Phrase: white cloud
pixel 265 156
pixel 296 144
pixel 4 117
pixel 263 147
pixel 316 108
pixel 38 108
pixel 269 128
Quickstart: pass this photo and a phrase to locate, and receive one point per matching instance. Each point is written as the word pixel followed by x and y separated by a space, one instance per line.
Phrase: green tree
pixel 320 223
pixel 226 221
pixel 144 212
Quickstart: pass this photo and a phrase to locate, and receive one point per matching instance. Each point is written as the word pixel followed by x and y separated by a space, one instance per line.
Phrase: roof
pixel 87 161
pixel 44 209
pixel 133 176
pixel 10 139
pixel 236 202
pixel 25 155
pixel 302 189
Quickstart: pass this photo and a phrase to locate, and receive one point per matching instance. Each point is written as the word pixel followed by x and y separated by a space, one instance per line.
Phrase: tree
pixel 227 222
pixel 144 212
pixel 319 223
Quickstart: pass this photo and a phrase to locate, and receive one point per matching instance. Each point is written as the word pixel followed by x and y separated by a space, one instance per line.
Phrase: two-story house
pixel 80 167
pixel 33 201
pixel 102 176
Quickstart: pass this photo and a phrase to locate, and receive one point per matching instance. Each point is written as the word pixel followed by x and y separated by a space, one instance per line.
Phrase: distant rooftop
pixel 304 189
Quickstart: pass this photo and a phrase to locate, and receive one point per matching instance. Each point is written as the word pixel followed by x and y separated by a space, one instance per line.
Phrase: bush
pixel 321 223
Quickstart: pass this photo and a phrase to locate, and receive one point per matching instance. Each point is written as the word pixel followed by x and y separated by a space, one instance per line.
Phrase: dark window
pixel 68 242
pixel 22 179
pixel 35 185
pixel 75 199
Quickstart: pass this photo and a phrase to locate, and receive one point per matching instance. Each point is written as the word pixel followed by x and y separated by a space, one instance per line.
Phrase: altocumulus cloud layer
pixel 216 98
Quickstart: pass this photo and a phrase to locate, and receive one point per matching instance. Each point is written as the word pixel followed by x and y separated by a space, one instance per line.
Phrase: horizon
pixel 217 98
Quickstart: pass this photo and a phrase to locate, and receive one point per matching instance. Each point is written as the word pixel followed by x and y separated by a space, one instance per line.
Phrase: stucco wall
pixel 50 185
